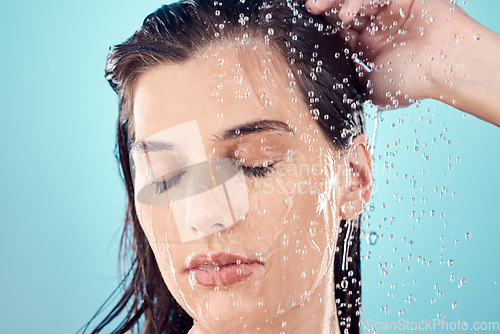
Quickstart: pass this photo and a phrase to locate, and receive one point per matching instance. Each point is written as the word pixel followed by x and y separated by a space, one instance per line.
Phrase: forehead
pixel 221 88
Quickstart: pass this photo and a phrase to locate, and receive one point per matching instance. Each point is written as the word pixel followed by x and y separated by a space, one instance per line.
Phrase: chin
pixel 239 308
pixel 237 317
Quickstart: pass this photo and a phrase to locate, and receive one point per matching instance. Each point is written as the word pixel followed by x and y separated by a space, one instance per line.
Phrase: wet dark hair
pixel 324 71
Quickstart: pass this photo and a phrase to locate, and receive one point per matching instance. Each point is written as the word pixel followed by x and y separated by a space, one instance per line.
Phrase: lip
pixel 221 269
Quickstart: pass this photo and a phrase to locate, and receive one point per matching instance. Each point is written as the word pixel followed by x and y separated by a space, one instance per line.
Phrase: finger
pixel 349 10
pixel 359 22
pixel 318 7
pixel 351 38
pixel 361 53
pixel 370 8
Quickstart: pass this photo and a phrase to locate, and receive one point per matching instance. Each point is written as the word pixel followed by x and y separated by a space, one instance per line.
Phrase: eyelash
pixel 161 187
pixel 256 171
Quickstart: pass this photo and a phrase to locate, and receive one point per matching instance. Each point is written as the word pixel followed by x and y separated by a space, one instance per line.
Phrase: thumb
pixel 318 7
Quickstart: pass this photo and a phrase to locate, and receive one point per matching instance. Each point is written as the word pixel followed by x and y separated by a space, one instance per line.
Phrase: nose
pixel 208 212
pixel 207 205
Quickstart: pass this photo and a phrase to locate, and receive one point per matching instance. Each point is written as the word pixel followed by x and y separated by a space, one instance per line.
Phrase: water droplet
pixel 477 37
pixel 270 31
pixel 371 238
pixel 454 305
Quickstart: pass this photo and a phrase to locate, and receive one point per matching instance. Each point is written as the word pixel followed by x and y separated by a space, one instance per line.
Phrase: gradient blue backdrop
pixel 62 201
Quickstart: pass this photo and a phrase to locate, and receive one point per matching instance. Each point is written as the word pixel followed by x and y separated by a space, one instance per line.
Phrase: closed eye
pixel 166 184
pixel 257 171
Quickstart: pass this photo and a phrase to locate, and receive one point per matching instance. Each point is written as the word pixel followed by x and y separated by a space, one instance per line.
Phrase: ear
pixel 358 187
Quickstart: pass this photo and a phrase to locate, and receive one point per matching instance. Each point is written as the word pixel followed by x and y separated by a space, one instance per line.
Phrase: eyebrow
pixel 254 127
pixel 152 146
pixel 234 132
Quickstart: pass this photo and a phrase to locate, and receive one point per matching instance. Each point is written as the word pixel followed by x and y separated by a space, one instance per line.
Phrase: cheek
pixel 157 224
pixel 154 222
pixel 293 222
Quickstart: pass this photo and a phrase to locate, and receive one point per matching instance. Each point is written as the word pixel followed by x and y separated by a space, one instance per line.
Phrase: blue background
pixel 62 201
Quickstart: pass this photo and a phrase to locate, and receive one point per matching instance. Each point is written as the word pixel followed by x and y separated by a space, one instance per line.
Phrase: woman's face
pixel 248 250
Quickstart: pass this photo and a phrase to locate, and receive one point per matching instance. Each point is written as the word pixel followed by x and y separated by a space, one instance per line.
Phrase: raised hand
pixel 420 49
